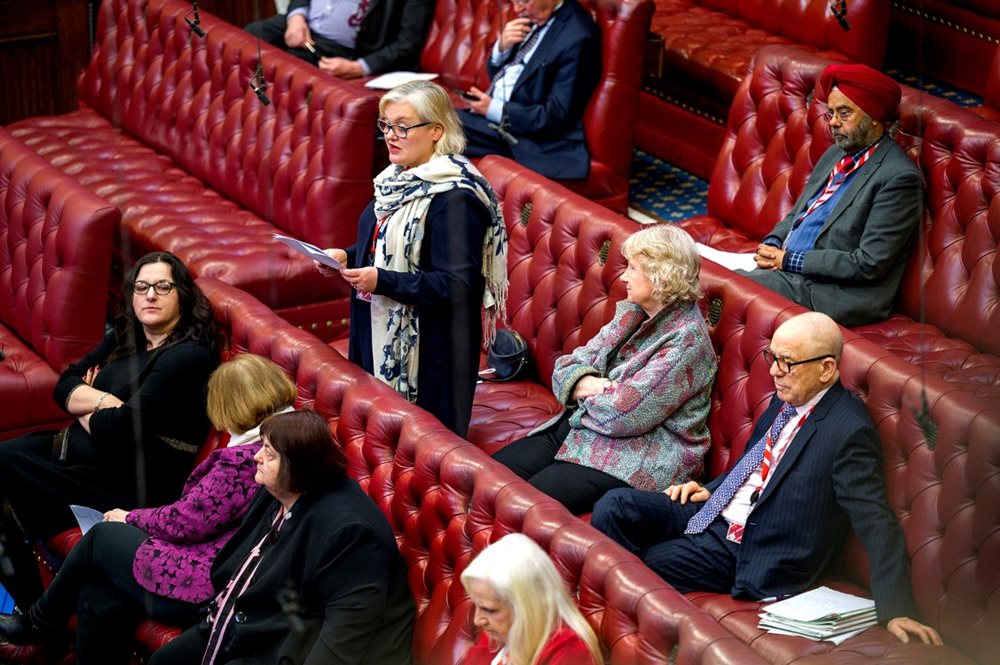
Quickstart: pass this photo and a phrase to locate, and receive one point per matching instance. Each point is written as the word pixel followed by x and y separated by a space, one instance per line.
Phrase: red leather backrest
pixel 55 256
pixel 944 494
pixel 564 261
pixel 609 120
pixel 304 162
pixel 953 277
pixel 773 139
pixel 446 500
pixel 812 22
pixel 462 34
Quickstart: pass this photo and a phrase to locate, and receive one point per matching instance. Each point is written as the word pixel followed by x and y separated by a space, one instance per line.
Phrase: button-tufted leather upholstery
pixel 944 497
pixel 708 44
pixel 458 45
pixel 952 40
pixel 56 239
pixel 446 500
pixel 172 134
pixel 774 139
pixel 564 264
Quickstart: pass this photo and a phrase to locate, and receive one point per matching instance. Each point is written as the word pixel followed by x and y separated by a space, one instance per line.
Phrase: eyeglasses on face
pixel 843 114
pixel 785 365
pixel 162 288
pixel 399 131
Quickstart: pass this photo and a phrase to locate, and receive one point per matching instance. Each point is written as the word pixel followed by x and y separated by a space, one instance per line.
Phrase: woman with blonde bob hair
pixel 524 610
pixel 429 268
pixel 156 562
pixel 638 393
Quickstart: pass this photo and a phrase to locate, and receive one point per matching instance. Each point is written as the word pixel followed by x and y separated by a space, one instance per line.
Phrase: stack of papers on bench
pixel 820 614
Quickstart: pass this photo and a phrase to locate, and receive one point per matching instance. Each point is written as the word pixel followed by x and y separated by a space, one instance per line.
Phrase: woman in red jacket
pixel 523 609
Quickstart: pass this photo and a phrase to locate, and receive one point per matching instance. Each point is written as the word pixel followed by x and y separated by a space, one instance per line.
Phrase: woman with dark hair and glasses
pixel 429 268
pixel 138 400
pixel 313 575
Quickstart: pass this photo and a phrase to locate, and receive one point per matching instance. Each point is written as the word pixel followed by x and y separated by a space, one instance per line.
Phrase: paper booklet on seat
pixel 731 260
pixel 819 614
pixel 392 79
pixel 312 251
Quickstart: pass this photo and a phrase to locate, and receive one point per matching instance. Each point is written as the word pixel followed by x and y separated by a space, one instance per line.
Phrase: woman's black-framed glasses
pixel 162 288
pixel 785 365
pixel 399 131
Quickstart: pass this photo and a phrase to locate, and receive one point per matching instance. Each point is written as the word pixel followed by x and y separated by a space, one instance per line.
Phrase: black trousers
pixel 534 459
pixel 97 584
pixel 480 138
pixel 272 31
pixel 651 526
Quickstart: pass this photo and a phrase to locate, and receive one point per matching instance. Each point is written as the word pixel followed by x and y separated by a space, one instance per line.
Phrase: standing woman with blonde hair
pixel 429 268
pixel 523 609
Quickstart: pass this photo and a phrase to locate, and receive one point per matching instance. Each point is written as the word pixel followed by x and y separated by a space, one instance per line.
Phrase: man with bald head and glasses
pixel 811 472
pixel 843 247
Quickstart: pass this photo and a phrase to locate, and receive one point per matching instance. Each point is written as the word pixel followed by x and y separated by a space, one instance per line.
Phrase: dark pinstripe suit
pixel 829 480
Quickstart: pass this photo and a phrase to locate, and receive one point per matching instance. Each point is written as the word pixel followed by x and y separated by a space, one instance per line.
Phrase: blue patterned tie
pixel 727 490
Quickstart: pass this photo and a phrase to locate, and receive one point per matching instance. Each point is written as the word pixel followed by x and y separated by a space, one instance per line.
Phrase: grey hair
pixel 431 103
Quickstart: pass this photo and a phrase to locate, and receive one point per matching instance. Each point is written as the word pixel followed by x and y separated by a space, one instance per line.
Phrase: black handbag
pixel 508 356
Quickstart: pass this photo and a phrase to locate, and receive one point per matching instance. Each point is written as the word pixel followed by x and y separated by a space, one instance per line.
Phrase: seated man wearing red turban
pixel 842 249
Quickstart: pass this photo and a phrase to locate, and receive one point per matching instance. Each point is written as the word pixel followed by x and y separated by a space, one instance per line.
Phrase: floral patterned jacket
pixel 184 536
pixel 652 430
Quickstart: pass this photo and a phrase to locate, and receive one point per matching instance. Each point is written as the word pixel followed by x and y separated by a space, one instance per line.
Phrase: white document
pixel 312 251
pixel 392 79
pixel 819 604
pixel 86 517
pixel 731 260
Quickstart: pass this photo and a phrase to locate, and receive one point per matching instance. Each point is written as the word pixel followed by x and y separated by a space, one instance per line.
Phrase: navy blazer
pixel 829 479
pixel 545 110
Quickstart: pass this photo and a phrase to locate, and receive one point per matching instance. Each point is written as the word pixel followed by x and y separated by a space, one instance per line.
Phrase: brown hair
pixel 245 391
pixel 311 461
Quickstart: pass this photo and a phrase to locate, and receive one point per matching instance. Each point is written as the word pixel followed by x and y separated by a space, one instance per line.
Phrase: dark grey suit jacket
pixel 855 269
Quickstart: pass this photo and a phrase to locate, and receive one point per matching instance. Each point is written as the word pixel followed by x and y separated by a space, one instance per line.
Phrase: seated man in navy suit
pixel 544 67
pixel 351 38
pixel 842 249
pixel 770 526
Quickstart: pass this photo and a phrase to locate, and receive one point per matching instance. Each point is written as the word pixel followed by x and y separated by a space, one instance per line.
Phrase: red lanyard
pixel 378 226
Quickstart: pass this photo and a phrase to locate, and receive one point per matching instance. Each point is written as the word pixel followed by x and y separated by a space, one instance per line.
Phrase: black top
pixel 135 455
pixel 339 555
pixel 448 295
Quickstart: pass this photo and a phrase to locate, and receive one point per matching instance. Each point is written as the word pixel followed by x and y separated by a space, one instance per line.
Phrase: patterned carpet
pixel 666 193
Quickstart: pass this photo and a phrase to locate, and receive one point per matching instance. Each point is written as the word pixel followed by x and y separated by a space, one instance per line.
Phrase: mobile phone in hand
pixel 465 94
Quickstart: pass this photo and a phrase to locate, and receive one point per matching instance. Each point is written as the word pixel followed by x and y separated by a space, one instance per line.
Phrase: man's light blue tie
pixel 727 490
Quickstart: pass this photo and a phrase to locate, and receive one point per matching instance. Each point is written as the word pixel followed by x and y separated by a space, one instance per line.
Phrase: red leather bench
pixel 943 487
pixel 56 239
pixel 458 45
pixel 777 132
pixel 564 265
pixel 952 40
pixel 446 500
pixel 705 48
pixel 170 131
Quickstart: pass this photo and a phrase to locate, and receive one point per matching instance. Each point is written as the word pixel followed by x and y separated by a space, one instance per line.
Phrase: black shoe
pixel 17 629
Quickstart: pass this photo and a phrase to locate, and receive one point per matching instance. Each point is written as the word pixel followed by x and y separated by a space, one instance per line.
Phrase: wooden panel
pixel 43 47
pixel 26 18
pixel 28 69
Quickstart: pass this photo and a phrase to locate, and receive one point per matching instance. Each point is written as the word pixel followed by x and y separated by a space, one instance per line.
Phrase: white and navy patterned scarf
pixel 404 196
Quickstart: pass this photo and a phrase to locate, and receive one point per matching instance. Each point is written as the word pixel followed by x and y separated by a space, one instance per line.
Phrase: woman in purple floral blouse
pixel 156 561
